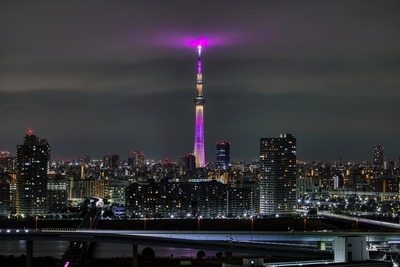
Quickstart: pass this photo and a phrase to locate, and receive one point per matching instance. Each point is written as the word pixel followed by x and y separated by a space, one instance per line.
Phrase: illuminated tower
pixel 199 103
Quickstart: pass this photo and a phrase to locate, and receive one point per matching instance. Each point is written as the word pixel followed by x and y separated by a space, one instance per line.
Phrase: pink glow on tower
pixel 199 66
pixel 199 103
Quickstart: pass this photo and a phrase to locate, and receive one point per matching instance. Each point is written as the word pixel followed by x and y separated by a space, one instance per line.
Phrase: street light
pixel 198 223
pixel 36 222
pixel 144 223
pixel 252 224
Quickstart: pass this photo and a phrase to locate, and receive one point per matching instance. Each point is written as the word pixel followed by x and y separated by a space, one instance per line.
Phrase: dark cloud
pixel 101 78
pixel 160 123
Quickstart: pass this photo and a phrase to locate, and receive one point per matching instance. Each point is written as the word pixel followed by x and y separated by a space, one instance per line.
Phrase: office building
pixel 89 187
pixel 278 175
pixel 31 183
pixel 241 200
pixel 223 154
pixel 115 191
pixel 190 164
pixel 5 203
pixel 57 193
pixel 13 196
pixel 378 157
pixel 111 161
pixel 212 199
pixel 7 163
pixel 137 158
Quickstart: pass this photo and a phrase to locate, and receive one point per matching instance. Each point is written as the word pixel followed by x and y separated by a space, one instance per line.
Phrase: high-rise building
pixel 242 200
pixel 199 101
pixel 7 163
pixel 378 157
pixel 89 187
pixel 57 193
pixel 111 161
pixel 223 154
pixel 4 198
pixel 31 182
pixel 115 191
pixel 137 158
pixel 13 196
pixel 190 164
pixel 212 199
pixel 278 175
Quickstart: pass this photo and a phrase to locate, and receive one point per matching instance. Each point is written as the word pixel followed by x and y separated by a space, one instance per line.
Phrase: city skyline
pixel 133 155
pixel 99 79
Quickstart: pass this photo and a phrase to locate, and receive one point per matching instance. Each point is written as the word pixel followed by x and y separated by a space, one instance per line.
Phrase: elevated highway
pixel 300 245
pixel 158 237
pixel 257 244
pixel 263 243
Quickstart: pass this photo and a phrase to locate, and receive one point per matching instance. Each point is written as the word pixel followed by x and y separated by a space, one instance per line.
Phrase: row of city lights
pixel 16 231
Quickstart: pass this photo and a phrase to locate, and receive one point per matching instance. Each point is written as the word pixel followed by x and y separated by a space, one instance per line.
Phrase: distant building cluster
pixel 379 175
pixel 35 186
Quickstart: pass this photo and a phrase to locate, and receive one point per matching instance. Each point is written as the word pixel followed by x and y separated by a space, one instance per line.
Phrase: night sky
pixel 98 77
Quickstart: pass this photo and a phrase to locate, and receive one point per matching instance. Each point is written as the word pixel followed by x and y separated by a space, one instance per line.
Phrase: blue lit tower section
pixel 199 103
